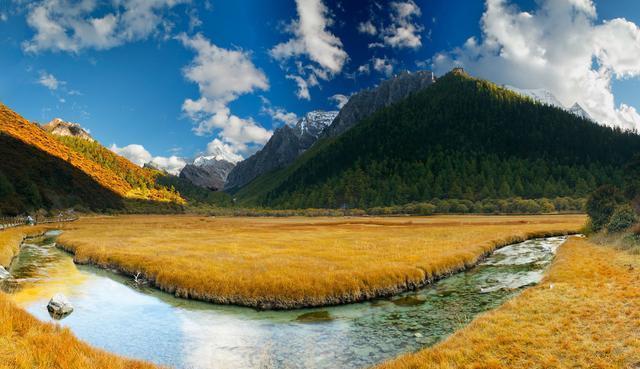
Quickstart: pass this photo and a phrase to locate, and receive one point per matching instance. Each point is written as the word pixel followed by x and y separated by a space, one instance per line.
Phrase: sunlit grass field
pixel 584 314
pixel 295 262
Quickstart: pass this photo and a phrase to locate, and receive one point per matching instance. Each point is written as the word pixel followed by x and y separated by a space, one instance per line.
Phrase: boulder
pixel 4 274
pixel 59 306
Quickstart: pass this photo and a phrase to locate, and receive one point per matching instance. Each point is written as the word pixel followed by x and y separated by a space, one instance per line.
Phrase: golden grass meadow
pixel 286 263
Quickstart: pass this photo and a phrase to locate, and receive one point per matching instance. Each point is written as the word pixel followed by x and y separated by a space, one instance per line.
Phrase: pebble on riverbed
pixel 59 306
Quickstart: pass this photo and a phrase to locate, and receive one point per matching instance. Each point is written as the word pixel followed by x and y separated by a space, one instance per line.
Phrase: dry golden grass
pixel 585 314
pixel 27 343
pixel 295 262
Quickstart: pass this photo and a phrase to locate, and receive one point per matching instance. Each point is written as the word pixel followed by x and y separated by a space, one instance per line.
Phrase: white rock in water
pixel 3 273
pixel 59 306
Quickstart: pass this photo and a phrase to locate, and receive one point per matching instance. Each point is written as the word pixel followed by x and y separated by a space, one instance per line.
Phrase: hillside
pixel 461 138
pixel 143 181
pixel 40 170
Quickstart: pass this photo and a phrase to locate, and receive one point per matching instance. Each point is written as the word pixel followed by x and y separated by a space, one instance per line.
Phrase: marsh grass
pixel 584 314
pixel 275 263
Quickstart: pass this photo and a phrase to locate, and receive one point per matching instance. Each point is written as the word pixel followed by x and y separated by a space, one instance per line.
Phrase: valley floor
pixel 283 263
pixel 584 314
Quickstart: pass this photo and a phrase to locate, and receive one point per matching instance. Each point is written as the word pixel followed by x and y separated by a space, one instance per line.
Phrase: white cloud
pixel 313 40
pixel 279 114
pixel 66 25
pixel 303 86
pixel 364 69
pixel 383 65
pixel 367 28
pixel 172 164
pixel 403 32
pixel 49 81
pixel 339 99
pixel 222 76
pixel 559 47
pixel 4 17
pixel 138 155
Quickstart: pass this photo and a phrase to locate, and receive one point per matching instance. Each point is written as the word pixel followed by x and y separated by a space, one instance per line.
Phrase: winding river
pixel 112 314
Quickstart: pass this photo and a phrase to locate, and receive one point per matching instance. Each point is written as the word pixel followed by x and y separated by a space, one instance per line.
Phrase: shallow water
pixel 110 313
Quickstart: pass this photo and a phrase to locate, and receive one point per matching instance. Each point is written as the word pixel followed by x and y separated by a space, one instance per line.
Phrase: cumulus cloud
pixel 49 81
pixel 172 164
pixel 339 99
pixel 313 40
pixel 279 114
pixel 303 86
pixel 66 25
pixel 383 65
pixel 404 32
pixel 402 29
pixel 560 47
pixel 138 155
pixel 367 28
pixel 222 76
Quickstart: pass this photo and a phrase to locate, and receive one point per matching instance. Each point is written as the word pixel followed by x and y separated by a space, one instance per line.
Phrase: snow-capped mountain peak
pixel 541 95
pixel 579 111
pixel 546 97
pixel 217 151
pixel 315 122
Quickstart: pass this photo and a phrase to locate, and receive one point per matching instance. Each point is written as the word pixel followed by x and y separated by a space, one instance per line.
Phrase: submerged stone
pixel 409 301
pixel 315 317
pixel 59 307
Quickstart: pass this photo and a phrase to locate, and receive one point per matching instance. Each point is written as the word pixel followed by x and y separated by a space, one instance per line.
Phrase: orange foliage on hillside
pixel 116 173
pixel 14 125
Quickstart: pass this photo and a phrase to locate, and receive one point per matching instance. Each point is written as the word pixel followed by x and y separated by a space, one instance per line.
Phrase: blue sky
pixel 175 76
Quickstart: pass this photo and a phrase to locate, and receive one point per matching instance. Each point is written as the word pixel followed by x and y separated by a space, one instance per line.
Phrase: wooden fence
pixel 10 222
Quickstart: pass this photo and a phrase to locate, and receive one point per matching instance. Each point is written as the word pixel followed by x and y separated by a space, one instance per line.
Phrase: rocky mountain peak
pixel 366 102
pixel 60 127
pixel 313 123
pixel 286 144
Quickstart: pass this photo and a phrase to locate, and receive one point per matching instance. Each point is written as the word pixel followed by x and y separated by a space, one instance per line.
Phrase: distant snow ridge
pixel 216 153
pixel 315 122
pixel 546 97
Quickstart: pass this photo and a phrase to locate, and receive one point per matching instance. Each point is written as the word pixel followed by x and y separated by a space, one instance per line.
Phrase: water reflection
pixel 151 325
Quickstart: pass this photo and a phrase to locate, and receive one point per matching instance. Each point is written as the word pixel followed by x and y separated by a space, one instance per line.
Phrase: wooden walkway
pixel 10 222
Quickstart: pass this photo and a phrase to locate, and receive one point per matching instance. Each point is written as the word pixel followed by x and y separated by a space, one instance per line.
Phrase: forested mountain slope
pixel 40 170
pixel 461 138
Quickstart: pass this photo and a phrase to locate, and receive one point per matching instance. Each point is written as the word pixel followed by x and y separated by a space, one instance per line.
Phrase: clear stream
pixel 112 314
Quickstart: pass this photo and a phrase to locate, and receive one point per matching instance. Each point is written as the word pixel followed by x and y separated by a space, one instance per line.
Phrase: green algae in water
pixel 315 317
pixel 410 300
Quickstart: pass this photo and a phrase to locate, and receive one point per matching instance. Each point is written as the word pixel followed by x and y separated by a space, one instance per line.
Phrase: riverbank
pixel 297 262
pixel 584 314
pixel 11 239
pixel 27 343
